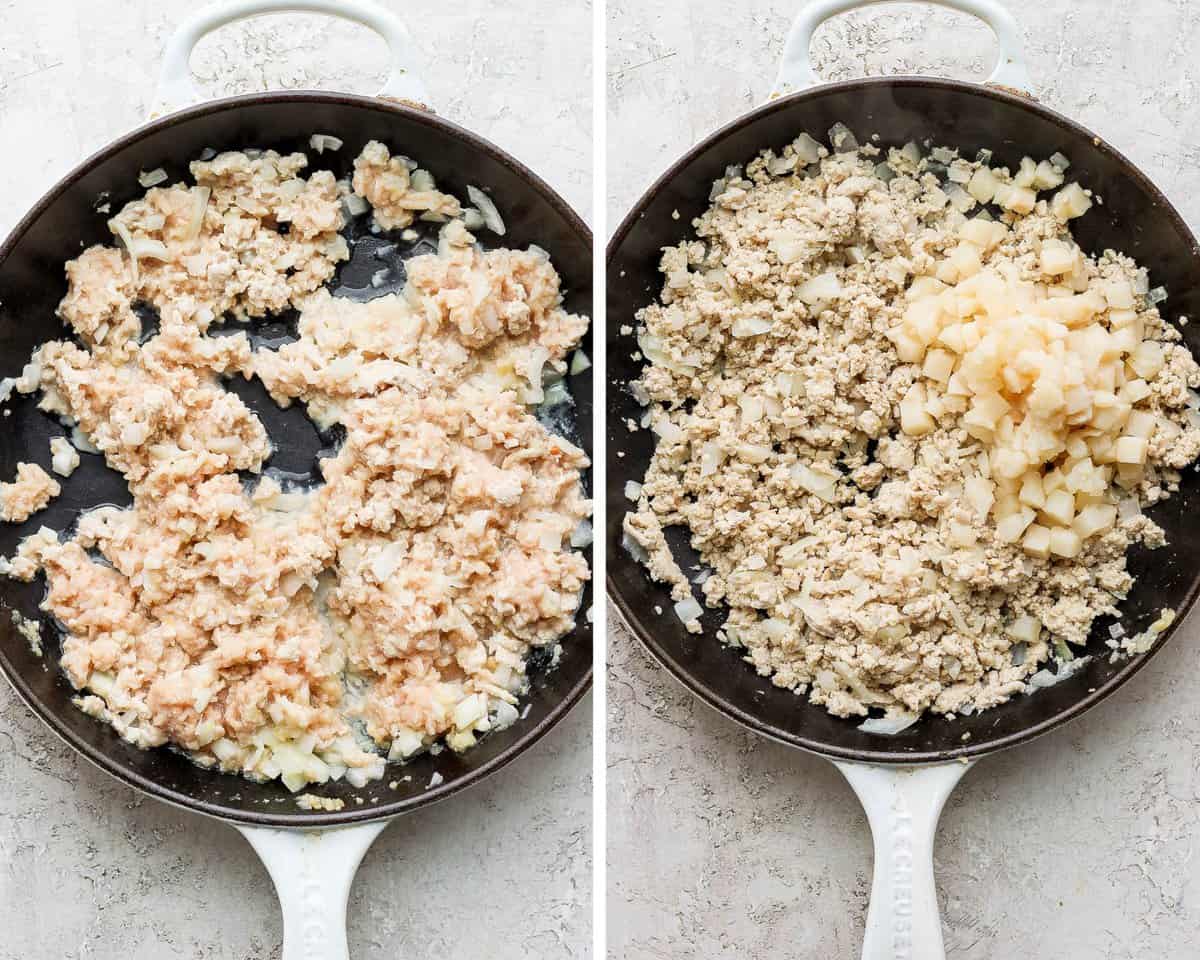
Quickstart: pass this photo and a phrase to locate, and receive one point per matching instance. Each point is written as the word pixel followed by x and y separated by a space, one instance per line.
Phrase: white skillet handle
pixel 796 71
pixel 903 805
pixel 312 872
pixel 177 90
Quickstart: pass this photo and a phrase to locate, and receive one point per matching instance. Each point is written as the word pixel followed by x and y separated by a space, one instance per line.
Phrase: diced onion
pixel 200 197
pixel 80 441
pixel 579 362
pixel 151 178
pixel 1128 508
pixel 1025 629
pixel 504 715
pixel 633 490
pixel 818 484
pixel 1044 678
pixel 491 216
pixel 688 610
pixel 841 139
pixel 64 458
pixel 355 205
pixel 1166 617
pixel 667 430
pixel 744 327
pixel 752 407
pixel 788 249
pixel 147 248
pixel 323 141
pixel 711 456
pixel 889 726
pixel 824 286
pixel 386 562
pixel 960 200
pixel 790 384
pixel 780 166
pixel 556 394
pixel 653 351
pixel 634 549
pixel 807 149
pixel 538 355
pixel 753 452
pixel 582 535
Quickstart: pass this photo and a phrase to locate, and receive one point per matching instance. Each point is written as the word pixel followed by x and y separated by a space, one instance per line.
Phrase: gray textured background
pixel 722 845
pixel 89 869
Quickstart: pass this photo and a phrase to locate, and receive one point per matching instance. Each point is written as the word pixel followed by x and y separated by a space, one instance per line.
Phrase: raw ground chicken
pixel 27 494
pixel 305 634
pixel 867 551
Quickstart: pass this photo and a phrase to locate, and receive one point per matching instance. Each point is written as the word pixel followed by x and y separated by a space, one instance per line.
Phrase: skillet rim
pixel 627 606
pixel 351 814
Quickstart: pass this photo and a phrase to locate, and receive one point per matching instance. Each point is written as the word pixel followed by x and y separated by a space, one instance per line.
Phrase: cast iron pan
pixel 312 871
pixel 1135 218
pixel 32 282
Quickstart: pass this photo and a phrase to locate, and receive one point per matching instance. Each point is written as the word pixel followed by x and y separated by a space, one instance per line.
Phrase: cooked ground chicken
pixel 305 633
pixel 308 801
pixel 863 525
pixel 27 494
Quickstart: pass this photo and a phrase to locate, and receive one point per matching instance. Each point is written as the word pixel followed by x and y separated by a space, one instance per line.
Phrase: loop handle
pixel 796 71
pixel 176 89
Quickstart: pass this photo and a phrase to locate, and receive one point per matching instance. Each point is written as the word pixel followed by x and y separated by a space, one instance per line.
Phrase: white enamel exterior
pixel 313 872
pixel 176 89
pixel 796 71
pixel 903 805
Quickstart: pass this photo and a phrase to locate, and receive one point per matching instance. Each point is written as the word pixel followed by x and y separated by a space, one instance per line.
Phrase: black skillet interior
pixel 31 284
pixel 1134 218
